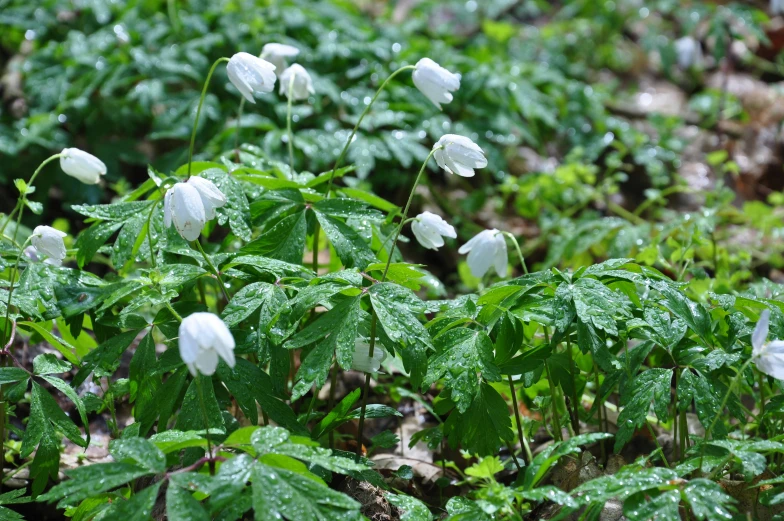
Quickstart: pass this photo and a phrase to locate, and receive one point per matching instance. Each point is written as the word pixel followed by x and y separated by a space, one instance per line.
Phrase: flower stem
pixel 23 197
pixel 374 318
pixel 206 422
pixel 214 270
pixel 288 124
pixel 520 434
pixel 198 110
pixel 359 121
pixel 172 311
pixel 405 212
pixel 339 160
pixel 720 410
pixel 149 233
pixel 574 373
pixel 519 251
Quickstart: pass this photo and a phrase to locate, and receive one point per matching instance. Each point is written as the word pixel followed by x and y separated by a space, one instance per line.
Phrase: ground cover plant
pixel 335 260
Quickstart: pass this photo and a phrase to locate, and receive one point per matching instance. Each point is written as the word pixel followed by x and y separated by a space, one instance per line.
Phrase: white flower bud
pixel 429 228
pixel 435 82
pixel 459 155
pixel 83 166
pixel 277 53
pixel 302 86
pixel 484 250
pixel 190 205
pixel 203 339
pixel 251 75
pixel 768 357
pixel 364 363
pixel 49 242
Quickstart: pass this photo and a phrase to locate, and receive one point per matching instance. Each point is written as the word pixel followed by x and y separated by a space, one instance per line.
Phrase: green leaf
pixel 649 386
pixel 485 468
pixel 395 307
pixel 191 417
pixel 410 509
pixel 277 441
pixel 164 402
pixel 352 249
pixel 138 507
pixel 281 493
pixel 692 313
pixel 93 479
pixel 105 359
pixel 485 425
pixel 9 375
pixel 47 363
pixel 138 451
pixel 338 413
pixel 344 207
pixel 182 506
pixel 284 241
pixel 696 387
pixel 70 392
pixel 708 500
pixel 464 356
pixel 12 498
pixel 236 210
pixel 44 411
pixel 249 384
pixel 91 239
pixel 112 212
pixel 335 332
pixel 246 301
pixel 68 351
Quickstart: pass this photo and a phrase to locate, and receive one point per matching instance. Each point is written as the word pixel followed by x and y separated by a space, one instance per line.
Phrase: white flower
pixel 428 229
pixel 484 250
pixel 777 6
pixel 435 82
pixel 276 54
pixel 251 75
pixel 190 205
pixel 688 51
pixel 362 362
pixel 49 242
pixel 203 338
pixel 83 166
pixel 303 84
pixel 33 255
pixel 768 357
pixel 459 155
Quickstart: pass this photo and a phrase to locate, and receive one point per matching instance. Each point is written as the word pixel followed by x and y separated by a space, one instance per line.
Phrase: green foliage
pixel 637 312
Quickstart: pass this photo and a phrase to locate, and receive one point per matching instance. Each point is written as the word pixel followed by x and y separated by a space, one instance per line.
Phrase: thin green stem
pixel 374 318
pixel 658 445
pixel 599 412
pixel 720 410
pixel 172 311
pixel 553 403
pixel 520 434
pixel 198 110
pixel 288 123
pixel 574 373
pixel 762 404
pixel 361 426
pixel 310 405
pixel 149 233
pixel 174 18
pixel 214 270
pixel 23 197
pixel 519 251
pixel 405 211
pixel 339 160
pixel 333 383
pixel 206 423
pixel 359 121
